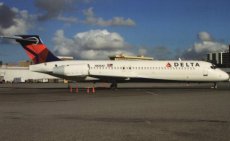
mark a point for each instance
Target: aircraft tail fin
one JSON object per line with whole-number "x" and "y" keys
{"x": 35, "y": 49}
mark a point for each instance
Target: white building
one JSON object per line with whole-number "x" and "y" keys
{"x": 221, "y": 59}
{"x": 23, "y": 74}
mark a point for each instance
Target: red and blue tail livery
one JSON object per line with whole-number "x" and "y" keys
{"x": 34, "y": 47}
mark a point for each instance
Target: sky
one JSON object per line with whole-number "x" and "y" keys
{"x": 96, "y": 29}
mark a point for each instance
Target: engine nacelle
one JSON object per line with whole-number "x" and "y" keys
{"x": 72, "y": 70}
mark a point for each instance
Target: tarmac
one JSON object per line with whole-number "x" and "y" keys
{"x": 133, "y": 112}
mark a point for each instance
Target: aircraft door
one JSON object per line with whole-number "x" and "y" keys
{"x": 88, "y": 69}
{"x": 2, "y": 74}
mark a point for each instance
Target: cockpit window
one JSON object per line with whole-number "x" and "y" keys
{"x": 213, "y": 66}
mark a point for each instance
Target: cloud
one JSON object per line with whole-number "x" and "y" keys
{"x": 204, "y": 36}
{"x": 69, "y": 20}
{"x": 162, "y": 52}
{"x": 101, "y": 54}
{"x": 6, "y": 16}
{"x": 90, "y": 18}
{"x": 198, "y": 51}
{"x": 99, "y": 44}
{"x": 206, "y": 45}
{"x": 14, "y": 21}
{"x": 54, "y": 8}
{"x": 93, "y": 44}
{"x": 100, "y": 39}
{"x": 142, "y": 51}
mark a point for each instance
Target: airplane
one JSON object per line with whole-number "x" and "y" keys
{"x": 114, "y": 72}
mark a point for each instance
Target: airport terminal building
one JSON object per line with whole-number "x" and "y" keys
{"x": 15, "y": 74}
{"x": 220, "y": 59}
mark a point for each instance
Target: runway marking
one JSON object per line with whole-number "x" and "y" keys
{"x": 150, "y": 92}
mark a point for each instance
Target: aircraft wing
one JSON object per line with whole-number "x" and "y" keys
{"x": 119, "y": 77}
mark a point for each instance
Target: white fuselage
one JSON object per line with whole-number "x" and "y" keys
{"x": 185, "y": 71}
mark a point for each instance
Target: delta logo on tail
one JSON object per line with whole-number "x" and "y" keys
{"x": 183, "y": 64}
{"x": 35, "y": 49}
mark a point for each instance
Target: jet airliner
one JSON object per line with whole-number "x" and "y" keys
{"x": 117, "y": 71}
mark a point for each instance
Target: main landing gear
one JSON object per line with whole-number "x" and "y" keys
{"x": 113, "y": 85}
{"x": 214, "y": 85}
